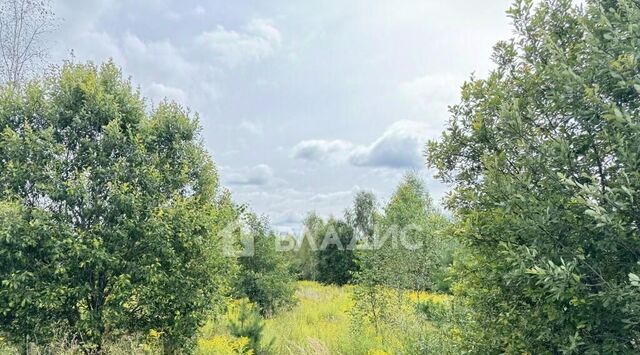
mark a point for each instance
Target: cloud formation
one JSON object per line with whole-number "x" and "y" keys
{"x": 322, "y": 150}
{"x": 431, "y": 88}
{"x": 256, "y": 41}
{"x": 251, "y": 127}
{"x": 186, "y": 70}
{"x": 288, "y": 218}
{"x": 258, "y": 175}
{"x": 399, "y": 147}
{"x": 266, "y": 75}
{"x": 160, "y": 92}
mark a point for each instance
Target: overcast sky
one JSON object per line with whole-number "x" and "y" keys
{"x": 302, "y": 103}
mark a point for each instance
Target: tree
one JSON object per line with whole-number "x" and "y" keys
{"x": 248, "y": 323}
{"x": 264, "y": 277}
{"x": 336, "y": 258}
{"x": 409, "y": 249}
{"x": 422, "y": 249}
{"x": 23, "y": 26}
{"x": 326, "y": 251}
{"x": 543, "y": 157}
{"x": 108, "y": 214}
{"x": 362, "y": 216}
{"x": 305, "y": 254}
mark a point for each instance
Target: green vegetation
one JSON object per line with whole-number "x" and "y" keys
{"x": 115, "y": 236}
{"x": 111, "y": 219}
{"x": 322, "y": 322}
{"x": 543, "y": 159}
{"x": 264, "y": 277}
{"x": 103, "y": 209}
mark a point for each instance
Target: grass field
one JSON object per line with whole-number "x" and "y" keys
{"x": 321, "y": 323}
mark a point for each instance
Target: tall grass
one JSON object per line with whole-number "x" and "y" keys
{"x": 321, "y": 324}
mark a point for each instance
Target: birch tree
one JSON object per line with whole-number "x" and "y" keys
{"x": 24, "y": 25}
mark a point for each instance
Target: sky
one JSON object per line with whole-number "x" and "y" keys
{"x": 302, "y": 103}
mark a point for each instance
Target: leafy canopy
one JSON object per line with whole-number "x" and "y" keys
{"x": 544, "y": 158}
{"x": 108, "y": 213}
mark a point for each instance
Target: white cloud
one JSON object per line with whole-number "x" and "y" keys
{"x": 258, "y": 40}
{"x": 81, "y": 16}
{"x": 96, "y": 46}
{"x": 289, "y": 217}
{"x": 199, "y": 10}
{"x": 258, "y": 175}
{"x": 265, "y": 29}
{"x": 439, "y": 87}
{"x": 322, "y": 150}
{"x": 162, "y": 68}
{"x": 313, "y": 61}
{"x": 400, "y": 146}
{"x": 161, "y": 59}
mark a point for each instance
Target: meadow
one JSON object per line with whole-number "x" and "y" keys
{"x": 322, "y": 322}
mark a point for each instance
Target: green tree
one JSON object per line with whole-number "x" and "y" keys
{"x": 108, "y": 213}
{"x": 409, "y": 249}
{"x": 363, "y": 216}
{"x": 544, "y": 159}
{"x": 305, "y": 253}
{"x": 264, "y": 277}
{"x": 420, "y": 250}
{"x": 248, "y": 323}
{"x": 326, "y": 252}
{"x": 336, "y": 258}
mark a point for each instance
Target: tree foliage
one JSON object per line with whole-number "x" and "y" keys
{"x": 325, "y": 253}
{"x": 409, "y": 249}
{"x": 305, "y": 253}
{"x": 108, "y": 213}
{"x": 336, "y": 258}
{"x": 544, "y": 158}
{"x": 264, "y": 277}
{"x": 247, "y": 322}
